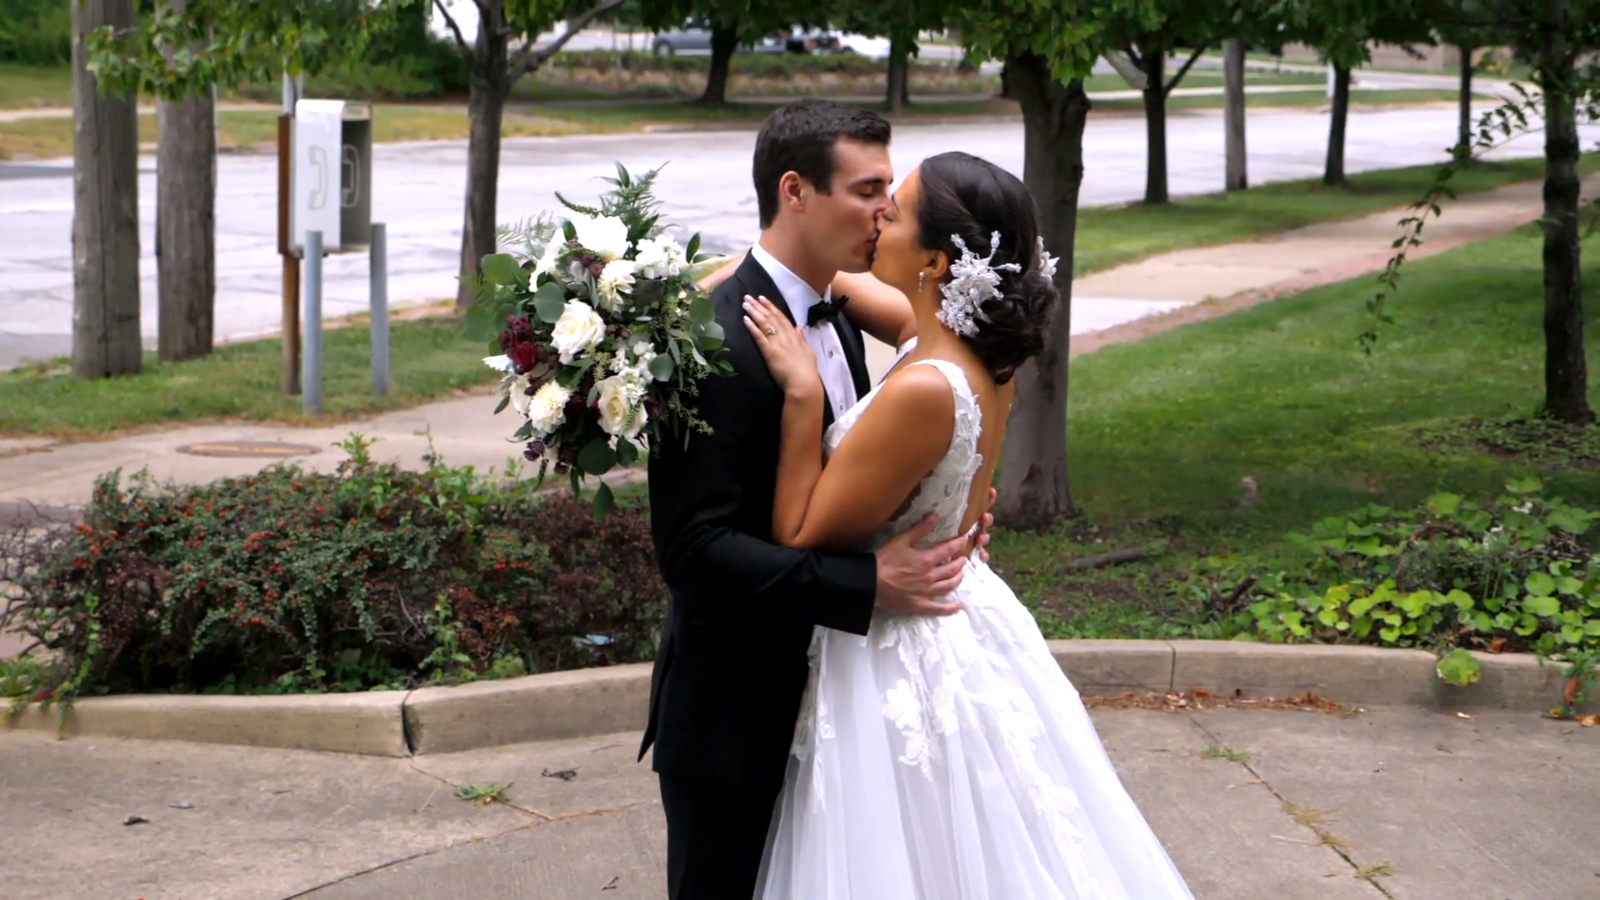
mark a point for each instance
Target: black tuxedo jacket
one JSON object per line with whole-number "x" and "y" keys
{"x": 732, "y": 664}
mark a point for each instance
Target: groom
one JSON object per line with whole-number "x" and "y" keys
{"x": 733, "y": 664}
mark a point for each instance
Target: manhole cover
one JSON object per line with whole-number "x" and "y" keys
{"x": 248, "y": 448}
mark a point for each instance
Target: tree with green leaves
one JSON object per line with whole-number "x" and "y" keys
{"x": 502, "y": 53}
{"x": 900, "y": 23}
{"x": 181, "y": 51}
{"x": 733, "y": 24}
{"x": 1179, "y": 23}
{"x": 1558, "y": 38}
{"x": 1456, "y": 25}
{"x": 1344, "y": 31}
{"x": 1049, "y": 47}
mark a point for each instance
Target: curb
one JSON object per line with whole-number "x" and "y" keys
{"x": 365, "y": 724}
{"x": 587, "y": 702}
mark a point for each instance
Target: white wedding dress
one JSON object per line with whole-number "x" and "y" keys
{"x": 950, "y": 758}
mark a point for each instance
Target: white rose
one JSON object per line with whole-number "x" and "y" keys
{"x": 620, "y": 412}
{"x": 578, "y": 330}
{"x": 604, "y": 236}
{"x": 660, "y": 257}
{"x": 547, "y": 408}
{"x": 616, "y": 279}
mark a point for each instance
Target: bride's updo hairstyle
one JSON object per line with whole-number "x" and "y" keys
{"x": 972, "y": 198}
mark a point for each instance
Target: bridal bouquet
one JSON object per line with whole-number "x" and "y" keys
{"x": 604, "y": 332}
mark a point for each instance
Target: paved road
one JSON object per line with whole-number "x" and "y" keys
{"x": 705, "y": 186}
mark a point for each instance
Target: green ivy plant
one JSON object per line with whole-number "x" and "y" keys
{"x": 1451, "y": 576}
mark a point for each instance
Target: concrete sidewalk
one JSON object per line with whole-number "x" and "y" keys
{"x": 1252, "y": 805}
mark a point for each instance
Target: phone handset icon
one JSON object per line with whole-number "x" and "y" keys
{"x": 319, "y": 162}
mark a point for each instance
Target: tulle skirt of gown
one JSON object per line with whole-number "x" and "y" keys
{"x": 951, "y": 759}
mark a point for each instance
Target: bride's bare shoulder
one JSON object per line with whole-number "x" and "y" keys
{"x": 920, "y": 393}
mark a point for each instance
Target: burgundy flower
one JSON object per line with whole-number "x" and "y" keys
{"x": 534, "y": 451}
{"x": 524, "y": 356}
{"x": 521, "y": 328}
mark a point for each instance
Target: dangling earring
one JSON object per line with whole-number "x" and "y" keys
{"x": 922, "y": 280}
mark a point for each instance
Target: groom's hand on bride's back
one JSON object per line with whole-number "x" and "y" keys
{"x": 911, "y": 582}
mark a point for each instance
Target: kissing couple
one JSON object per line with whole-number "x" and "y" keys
{"x": 848, "y": 703}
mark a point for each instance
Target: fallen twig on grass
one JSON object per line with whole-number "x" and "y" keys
{"x": 1101, "y": 560}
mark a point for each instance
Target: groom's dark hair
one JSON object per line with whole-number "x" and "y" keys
{"x": 800, "y": 138}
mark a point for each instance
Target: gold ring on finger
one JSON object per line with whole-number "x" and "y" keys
{"x": 772, "y": 332}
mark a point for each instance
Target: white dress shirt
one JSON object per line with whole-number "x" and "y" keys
{"x": 833, "y": 365}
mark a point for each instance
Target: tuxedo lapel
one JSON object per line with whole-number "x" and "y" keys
{"x": 754, "y": 281}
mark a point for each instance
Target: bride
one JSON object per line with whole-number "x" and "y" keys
{"x": 938, "y": 758}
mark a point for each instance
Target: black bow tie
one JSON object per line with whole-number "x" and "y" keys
{"x": 826, "y": 311}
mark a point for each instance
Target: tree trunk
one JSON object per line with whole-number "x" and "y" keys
{"x": 186, "y": 194}
{"x": 1034, "y": 490}
{"x": 1566, "y": 374}
{"x": 486, "y": 102}
{"x": 105, "y": 215}
{"x": 724, "y": 41}
{"x": 1237, "y": 176}
{"x": 1464, "y": 125}
{"x": 898, "y": 91}
{"x": 1333, "y": 171}
{"x": 1155, "y": 124}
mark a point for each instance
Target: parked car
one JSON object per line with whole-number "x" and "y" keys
{"x": 860, "y": 44}
{"x": 694, "y": 39}
{"x": 811, "y": 40}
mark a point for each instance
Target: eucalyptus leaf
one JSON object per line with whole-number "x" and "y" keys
{"x": 549, "y": 302}
{"x": 605, "y": 502}
{"x": 702, "y": 310}
{"x": 503, "y": 269}
{"x": 597, "y": 457}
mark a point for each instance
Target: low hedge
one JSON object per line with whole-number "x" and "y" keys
{"x": 371, "y": 577}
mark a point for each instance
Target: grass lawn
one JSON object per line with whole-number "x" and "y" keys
{"x": 1163, "y": 430}
{"x": 1109, "y": 236}
{"x": 433, "y": 358}
{"x": 45, "y": 138}
{"x": 24, "y": 87}
{"x": 430, "y": 359}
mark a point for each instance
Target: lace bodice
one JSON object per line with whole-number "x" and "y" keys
{"x": 947, "y": 488}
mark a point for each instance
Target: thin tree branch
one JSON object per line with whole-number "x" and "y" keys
{"x": 527, "y": 58}
{"x": 1133, "y": 55}
{"x": 454, "y": 28}
{"x": 1166, "y": 89}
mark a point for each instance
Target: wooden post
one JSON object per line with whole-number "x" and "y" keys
{"x": 291, "y": 265}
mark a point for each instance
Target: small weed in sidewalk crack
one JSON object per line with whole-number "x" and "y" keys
{"x": 1375, "y": 871}
{"x": 1217, "y": 751}
{"x": 485, "y": 795}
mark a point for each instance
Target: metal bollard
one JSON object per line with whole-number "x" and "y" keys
{"x": 311, "y": 322}
{"x": 379, "y": 277}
